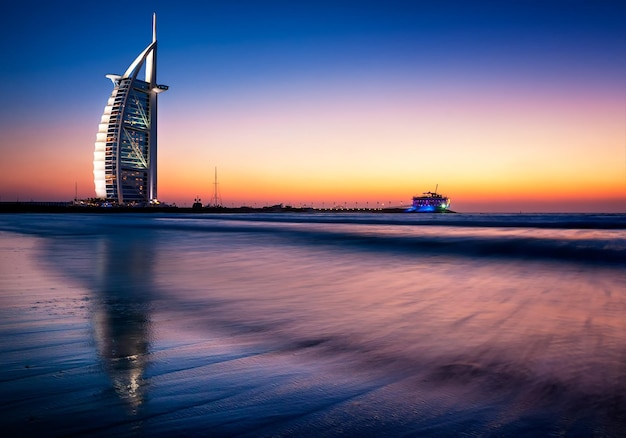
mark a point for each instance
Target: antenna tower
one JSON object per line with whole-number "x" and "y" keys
{"x": 217, "y": 199}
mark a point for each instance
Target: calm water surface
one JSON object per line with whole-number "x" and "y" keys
{"x": 314, "y": 325}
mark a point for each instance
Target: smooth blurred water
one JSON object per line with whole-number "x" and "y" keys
{"x": 340, "y": 324}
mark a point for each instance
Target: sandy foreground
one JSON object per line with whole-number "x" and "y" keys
{"x": 72, "y": 367}
{"x": 90, "y": 348}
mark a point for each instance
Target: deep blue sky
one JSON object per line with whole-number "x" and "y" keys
{"x": 225, "y": 41}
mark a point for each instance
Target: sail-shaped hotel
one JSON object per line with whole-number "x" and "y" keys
{"x": 125, "y": 156}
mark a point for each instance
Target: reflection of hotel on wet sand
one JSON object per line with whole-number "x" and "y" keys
{"x": 121, "y": 331}
{"x": 120, "y": 312}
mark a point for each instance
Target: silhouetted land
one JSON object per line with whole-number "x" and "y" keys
{"x": 69, "y": 207}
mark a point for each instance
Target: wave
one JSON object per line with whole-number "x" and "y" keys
{"x": 585, "y": 250}
{"x": 610, "y": 221}
{"x": 361, "y": 232}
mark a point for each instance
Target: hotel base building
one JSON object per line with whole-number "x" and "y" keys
{"x": 125, "y": 156}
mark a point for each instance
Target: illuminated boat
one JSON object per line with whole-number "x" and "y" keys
{"x": 430, "y": 202}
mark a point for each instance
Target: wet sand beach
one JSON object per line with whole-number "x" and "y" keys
{"x": 170, "y": 326}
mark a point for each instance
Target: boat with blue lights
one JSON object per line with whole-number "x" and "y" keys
{"x": 430, "y": 202}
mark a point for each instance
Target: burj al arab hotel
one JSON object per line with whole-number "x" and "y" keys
{"x": 125, "y": 156}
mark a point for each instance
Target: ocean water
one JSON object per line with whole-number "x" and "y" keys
{"x": 313, "y": 325}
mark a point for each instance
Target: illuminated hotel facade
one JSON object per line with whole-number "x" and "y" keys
{"x": 125, "y": 155}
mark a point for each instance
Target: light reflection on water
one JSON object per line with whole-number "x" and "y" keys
{"x": 122, "y": 287}
{"x": 437, "y": 304}
{"x": 548, "y": 334}
{"x": 521, "y": 332}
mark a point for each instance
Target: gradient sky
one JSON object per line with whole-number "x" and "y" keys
{"x": 506, "y": 105}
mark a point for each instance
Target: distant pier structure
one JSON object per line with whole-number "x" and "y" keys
{"x": 125, "y": 155}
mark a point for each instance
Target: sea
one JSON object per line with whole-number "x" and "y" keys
{"x": 313, "y": 325}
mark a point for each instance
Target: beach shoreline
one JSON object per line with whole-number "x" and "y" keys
{"x": 278, "y": 326}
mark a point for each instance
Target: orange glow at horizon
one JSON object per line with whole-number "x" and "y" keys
{"x": 376, "y": 150}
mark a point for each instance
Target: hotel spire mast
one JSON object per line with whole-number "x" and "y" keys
{"x": 151, "y": 72}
